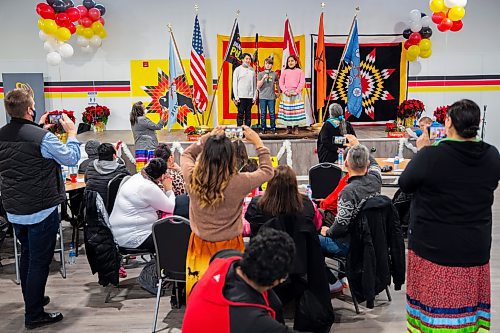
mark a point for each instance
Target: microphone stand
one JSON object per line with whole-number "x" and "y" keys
{"x": 484, "y": 122}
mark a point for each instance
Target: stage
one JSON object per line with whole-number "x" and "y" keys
{"x": 301, "y": 147}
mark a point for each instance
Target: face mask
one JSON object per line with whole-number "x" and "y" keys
{"x": 245, "y": 65}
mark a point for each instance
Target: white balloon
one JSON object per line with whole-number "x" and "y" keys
{"x": 450, "y": 3}
{"x": 426, "y": 21}
{"x": 53, "y": 58}
{"x": 87, "y": 49}
{"x": 415, "y": 15}
{"x": 416, "y": 26}
{"x": 66, "y": 50}
{"x": 82, "y": 41}
{"x": 48, "y": 47}
{"x": 43, "y": 36}
{"x": 95, "y": 41}
{"x": 461, "y": 3}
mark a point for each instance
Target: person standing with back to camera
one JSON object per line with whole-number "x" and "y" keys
{"x": 244, "y": 90}
{"x": 291, "y": 111}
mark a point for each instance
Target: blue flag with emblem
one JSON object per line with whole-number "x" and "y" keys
{"x": 355, "y": 93}
{"x": 174, "y": 72}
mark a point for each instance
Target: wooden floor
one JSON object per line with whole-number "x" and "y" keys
{"x": 81, "y": 300}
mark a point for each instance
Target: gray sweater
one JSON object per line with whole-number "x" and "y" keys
{"x": 244, "y": 83}
{"x": 144, "y": 133}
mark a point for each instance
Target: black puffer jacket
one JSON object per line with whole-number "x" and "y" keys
{"x": 102, "y": 251}
{"x": 98, "y": 175}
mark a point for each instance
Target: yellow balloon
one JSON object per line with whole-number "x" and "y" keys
{"x": 63, "y": 34}
{"x": 437, "y": 6}
{"x": 50, "y": 27}
{"x": 88, "y": 33}
{"x": 456, "y": 13}
{"x": 103, "y": 33}
{"x": 426, "y": 54}
{"x": 414, "y": 51}
{"x": 97, "y": 27}
{"x": 425, "y": 45}
{"x": 41, "y": 23}
{"x": 411, "y": 58}
{"x": 79, "y": 30}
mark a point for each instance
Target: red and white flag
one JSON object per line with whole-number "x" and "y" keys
{"x": 197, "y": 69}
{"x": 289, "y": 47}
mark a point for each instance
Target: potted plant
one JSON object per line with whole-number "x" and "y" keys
{"x": 440, "y": 113}
{"x": 193, "y": 134}
{"x": 409, "y": 110}
{"x": 56, "y": 127}
{"x": 96, "y": 116}
{"x": 395, "y": 130}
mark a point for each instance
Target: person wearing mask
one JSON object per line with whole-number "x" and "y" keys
{"x": 449, "y": 237}
{"x": 235, "y": 294}
{"x": 216, "y": 190}
{"x": 32, "y": 189}
{"x": 292, "y": 113}
{"x": 92, "y": 154}
{"x": 332, "y": 134}
{"x": 139, "y": 204}
{"x": 244, "y": 90}
{"x": 267, "y": 84}
{"x": 102, "y": 170}
{"x": 173, "y": 169}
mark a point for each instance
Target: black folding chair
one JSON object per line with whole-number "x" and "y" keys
{"x": 323, "y": 179}
{"x": 113, "y": 187}
{"x": 171, "y": 238}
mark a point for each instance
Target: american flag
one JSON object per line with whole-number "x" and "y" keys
{"x": 197, "y": 69}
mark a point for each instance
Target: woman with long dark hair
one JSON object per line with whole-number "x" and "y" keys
{"x": 216, "y": 190}
{"x": 243, "y": 163}
{"x": 292, "y": 113}
{"x": 449, "y": 236}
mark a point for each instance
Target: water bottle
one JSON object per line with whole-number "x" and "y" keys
{"x": 309, "y": 192}
{"x": 63, "y": 173}
{"x": 341, "y": 157}
{"x": 396, "y": 162}
{"x": 71, "y": 254}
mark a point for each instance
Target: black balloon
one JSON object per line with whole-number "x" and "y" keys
{"x": 426, "y": 32}
{"x": 69, "y": 3}
{"x": 89, "y": 4}
{"x": 51, "y": 2}
{"x": 407, "y": 33}
{"x": 101, "y": 9}
{"x": 59, "y": 6}
{"x": 423, "y": 14}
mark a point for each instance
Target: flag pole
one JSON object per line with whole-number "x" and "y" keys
{"x": 170, "y": 30}
{"x": 320, "y": 113}
{"x": 220, "y": 71}
{"x": 342, "y": 58}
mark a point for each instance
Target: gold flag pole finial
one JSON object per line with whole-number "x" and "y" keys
{"x": 323, "y": 5}
{"x": 237, "y": 12}
{"x": 169, "y": 26}
{"x": 196, "y": 8}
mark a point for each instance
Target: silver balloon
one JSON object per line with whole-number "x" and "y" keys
{"x": 48, "y": 47}
{"x": 426, "y": 21}
{"x": 95, "y": 41}
{"x": 415, "y": 15}
{"x": 53, "y": 58}
{"x": 82, "y": 41}
{"x": 415, "y": 26}
{"x": 66, "y": 50}
{"x": 43, "y": 36}
{"x": 87, "y": 49}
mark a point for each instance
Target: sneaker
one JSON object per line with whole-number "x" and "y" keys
{"x": 273, "y": 130}
{"x": 296, "y": 130}
{"x": 344, "y": 282}
{"x": 263, "y": 131}
{"x": 43, "y": 320}
{"x": 122, "y": 272}
{"x": 336, "y": 287}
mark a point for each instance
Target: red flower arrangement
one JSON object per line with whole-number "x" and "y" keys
{"x": 394, "y": 127}
{"x": 440, "y": 113}
{"x": 57, "y": 128}
{"x": 191, "y": 130}
{"x": 410, "y": 108}
{"x": 95, "y": 114}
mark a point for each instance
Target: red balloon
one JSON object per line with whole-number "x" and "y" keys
{"x": 438, "y": 17}
{"x": 457, "y": 26}
{"x": 85, "y": 21}
{"x": 407, "y": 44}
{"x": 71, "y": 27}
{"x": 47, "y": 13}
{"x": 94, "y": 14}
{"x": 73, "y": 14}
{"x": 40, "y": 7}
{"x": 83, "y": 10}
{"x": 445, "y": 25}
{"x": 62, "y": 19}
{"x": 101, "y": 19}
{"x": 415, "y": 38}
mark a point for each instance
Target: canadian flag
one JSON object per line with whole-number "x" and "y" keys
{"x": 289, "y": 47}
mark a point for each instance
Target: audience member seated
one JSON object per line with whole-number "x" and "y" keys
{"x": 173, "y": 169}
{"x": 138, "y": 204}
{"x": 365, "y": 181}
{"x": 92, "y": 154}
{"x": 101, "y": 171}
{"x": 235, "y": 294}
{"x": 216, "y": 192}
{"x": 243, "y": 163}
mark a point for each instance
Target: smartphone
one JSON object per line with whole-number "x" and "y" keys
{"x": 437, "y": 132}
{"x": 339, "y": 140}
{"x": 234, "y": 133}
{"x": 54, "y": 118}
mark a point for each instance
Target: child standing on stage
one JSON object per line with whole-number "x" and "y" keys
{"x": 244, "y": 90}
{"x": 267, "y": 82}
{"x": 292, "y": 82}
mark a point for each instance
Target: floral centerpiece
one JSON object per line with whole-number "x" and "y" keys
{"x": 395, "y": 130}
{"x": 409, "y": 110}
{"x": 440, "y": 113}
{"x": 193, "y": 133}
{"x": 97, "y": 116}
{"x": 56, "y": 127}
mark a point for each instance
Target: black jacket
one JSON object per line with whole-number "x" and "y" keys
{"x": 101, "y": 249}
{"x": 453, "y": 185}
{"x": 99, "y": 173}
{"x": 31, "y": 183}
{"x": 327, "y": 149}
{"x": 377, "y": 249}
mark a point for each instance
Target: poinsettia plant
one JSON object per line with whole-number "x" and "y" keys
{"x": 191, "y": 130}
{"x": 96, "y": 114}
{"x": 440, "y": 113}
{"x": 410, "y": 108}
{"x": 394, "y": 127}
{"x": 54, "y": 115}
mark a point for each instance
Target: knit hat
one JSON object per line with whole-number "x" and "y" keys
{"x": 91, "y": 148}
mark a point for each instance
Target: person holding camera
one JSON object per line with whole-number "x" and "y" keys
{"x": 332, "y": 135}
{"x": 244, "y": 90}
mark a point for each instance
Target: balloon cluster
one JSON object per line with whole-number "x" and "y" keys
{"x": 57, "y": 24}
{"x": 418, "y": 43}
{"x": 448, "y": 14}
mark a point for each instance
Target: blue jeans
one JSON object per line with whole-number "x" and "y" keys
{"x": 264, "y": 105}
{"x": 38, "y": 242}
{"x": 334, "y": 246}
